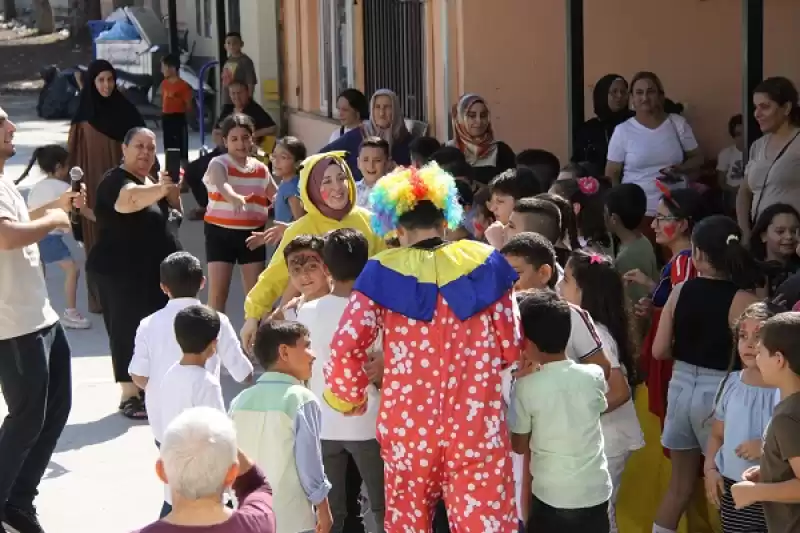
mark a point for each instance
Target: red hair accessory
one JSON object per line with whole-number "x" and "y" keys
{"x": 588, "y": 185}
{"x": 418, "y": 187}
{"x": 596, "y": 259}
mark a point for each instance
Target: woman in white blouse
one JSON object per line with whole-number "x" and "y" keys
{"x": 353, "y": 109}
{"x": 650, "y": 144}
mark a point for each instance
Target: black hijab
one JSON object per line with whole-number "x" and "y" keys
{"x": 112, "y": 116}
{"x": 600, "y": 100}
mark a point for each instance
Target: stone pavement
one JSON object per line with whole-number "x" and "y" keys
{"x": 101, "y": 478}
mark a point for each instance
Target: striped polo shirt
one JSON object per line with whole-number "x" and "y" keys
{"x": 251, "y": 181}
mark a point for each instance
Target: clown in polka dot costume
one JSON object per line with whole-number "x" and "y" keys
{"x": 449, "y": 327}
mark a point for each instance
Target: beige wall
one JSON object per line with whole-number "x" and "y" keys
{"x": 693, "y": 45}
{"x": 513, "y": 52}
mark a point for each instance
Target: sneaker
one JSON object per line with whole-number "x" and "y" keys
{"x": 74, "y": 320}
{"x": 20, "y": 521}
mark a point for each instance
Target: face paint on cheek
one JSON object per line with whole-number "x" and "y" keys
{"x": 669, "y": 230}
{"x": 325, "y": 195}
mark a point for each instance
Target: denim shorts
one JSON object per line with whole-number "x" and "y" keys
{"x": 53, "y": 249}
{"x": 690, "y": 403}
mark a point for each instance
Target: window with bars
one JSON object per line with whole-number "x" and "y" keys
{"x": 394, "y": 52}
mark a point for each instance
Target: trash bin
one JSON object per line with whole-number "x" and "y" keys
{"x": 96, "y": 27}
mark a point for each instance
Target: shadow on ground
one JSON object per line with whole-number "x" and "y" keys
{"x": 23, "y": 56}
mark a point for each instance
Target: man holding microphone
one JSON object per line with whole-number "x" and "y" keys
{"x": 35, "y": 368}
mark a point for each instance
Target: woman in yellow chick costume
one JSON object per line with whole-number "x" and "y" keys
{"x": 328, "y": 192}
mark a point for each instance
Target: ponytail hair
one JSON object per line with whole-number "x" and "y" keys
{"x": 48, "y": 157}
{"x": 603, "y": 297}
{"x": 719, "y": 239}
{"x": 569, "y": 222}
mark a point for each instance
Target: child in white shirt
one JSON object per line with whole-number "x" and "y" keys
{"x": 156, "y": 348}
{"x": 730, "y": 167}
{"x": 188, "y": 383}
{"x": 345, "y": 253}
{"x": 58, "y": 247}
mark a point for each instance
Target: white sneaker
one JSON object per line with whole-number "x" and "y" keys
{"x": 74, "y": 320}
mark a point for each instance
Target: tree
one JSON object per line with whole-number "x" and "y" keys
{"x": 45, "y": 21}
{"x": 9, "y": 10}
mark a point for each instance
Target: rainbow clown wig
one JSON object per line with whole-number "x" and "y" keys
{"x": 400, "y": 191}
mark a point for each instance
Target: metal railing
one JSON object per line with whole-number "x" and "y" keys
{"x": 394, "y": 52}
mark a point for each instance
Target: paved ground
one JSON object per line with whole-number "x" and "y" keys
{"x": 101, "y": 478}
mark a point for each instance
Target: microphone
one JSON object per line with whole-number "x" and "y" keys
{"x": 76, "y": 178}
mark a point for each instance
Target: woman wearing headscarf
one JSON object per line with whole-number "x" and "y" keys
{"x": 385, "y": 121}
{"x": 610, "y": 100}
{"x": 474, "y": 137}
{"x": 96, "y": 136}
{"x": 328, "y": 192}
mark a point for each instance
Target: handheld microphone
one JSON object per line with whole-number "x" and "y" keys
{"x": 76, "y": 178}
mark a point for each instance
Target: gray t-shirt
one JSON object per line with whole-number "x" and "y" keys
{"x": 24, "y": 305}
{"x": 238, "y": 69}
{"x": 782, "y": 183}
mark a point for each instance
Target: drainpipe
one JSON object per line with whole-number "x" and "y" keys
{"x": 283, "y": 120}
{"x": 444, "y": 29}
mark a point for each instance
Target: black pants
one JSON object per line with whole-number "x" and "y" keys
{"x": 547, "y": 519}
{"x": 337, "y": 456}
{"x": 354, "y": 523}
{"x": 175, "y": 133}
{"x": 126, "y": 300}
{"x": 36, "y": 378}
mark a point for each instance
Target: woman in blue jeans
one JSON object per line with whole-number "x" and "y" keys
{"x": 695, "y": 330}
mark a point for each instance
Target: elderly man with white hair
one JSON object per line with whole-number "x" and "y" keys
{"x": 200, "y": 460}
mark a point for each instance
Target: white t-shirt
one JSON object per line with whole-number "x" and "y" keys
{"x": 584, "y": 339}
{"x": 24, "y": 304}
{"x": 621, "y": 430}
{"x": 321, "y": 317}
{"x": 46, "y": 191}
{"x": 182, "y": 388}
{"x": 729, "y": 161}
{"x": 517, "y": 460}
{"x": 156, "y": 350}
{"x": 335, "y": 134}
{"x": 643, "y": 152}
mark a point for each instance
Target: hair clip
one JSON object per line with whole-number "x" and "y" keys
{"x": 596, "y": 259}
{"x": 731, "y": 238}
{"x": 588, "y": 185}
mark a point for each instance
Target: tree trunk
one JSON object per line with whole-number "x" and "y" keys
{"x": 45, "y": 22}
{"x": 9, "y": 10}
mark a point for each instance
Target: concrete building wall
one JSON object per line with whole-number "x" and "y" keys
{"x": 513, "y": 52}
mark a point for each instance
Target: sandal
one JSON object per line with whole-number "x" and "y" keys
{"x": 134, "y": 409}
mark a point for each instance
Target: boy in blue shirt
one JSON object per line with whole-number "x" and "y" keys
{"x": 556, "y": 412}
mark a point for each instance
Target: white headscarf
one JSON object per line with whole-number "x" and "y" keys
{"x": 397, "y": 130}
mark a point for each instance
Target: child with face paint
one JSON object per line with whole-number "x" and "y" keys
{"x": 328, "y": 193}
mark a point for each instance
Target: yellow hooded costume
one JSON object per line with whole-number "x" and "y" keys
{"x": 273, "y": 281}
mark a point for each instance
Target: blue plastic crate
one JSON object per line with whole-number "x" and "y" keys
{"x": 96, "y": 27}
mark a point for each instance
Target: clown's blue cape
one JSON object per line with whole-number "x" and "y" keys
{"x": 469, "y": 275}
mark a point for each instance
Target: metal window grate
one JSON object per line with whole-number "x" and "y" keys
{"x": 394, "y": 52}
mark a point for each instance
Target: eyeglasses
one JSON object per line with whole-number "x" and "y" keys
{"x": 665, "y": 218}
